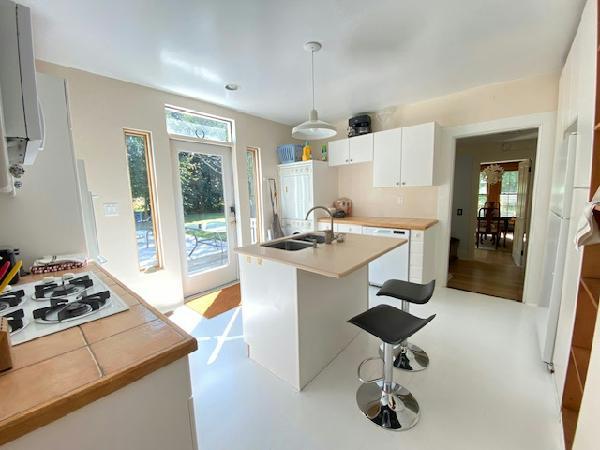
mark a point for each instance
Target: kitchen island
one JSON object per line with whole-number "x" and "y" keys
{"x": 120, "y": 382}
{"x": 296, "y": 303}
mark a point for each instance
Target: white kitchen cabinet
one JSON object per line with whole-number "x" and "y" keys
{"x": 418, "y": 151}
{"x": 347, "y": 228}
{"x": 339, "y": 152}
{"x": 354, "y": 150}
{"x": 304, "y": 185}
{"x": 361, "y": 148}
{"x": 387, "y": 152}
{"x": 422, "y": 255}
{"x": 406, "y": 156}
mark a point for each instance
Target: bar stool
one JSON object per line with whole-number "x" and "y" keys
{"x": 408, "y": 356}
{"x": 385, "y": 403}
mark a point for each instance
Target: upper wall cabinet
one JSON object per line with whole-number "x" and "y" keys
{"x": 351, "y": 151}
{"x": 405, "y": 156}
{"x": 387, "y": 157}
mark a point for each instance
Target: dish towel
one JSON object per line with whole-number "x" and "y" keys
{"x": 588, "y": 232}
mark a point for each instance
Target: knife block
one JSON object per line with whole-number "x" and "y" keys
{"x": 5, "y": 356}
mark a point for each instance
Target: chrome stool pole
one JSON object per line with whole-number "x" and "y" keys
{"x": 385, "y": 403}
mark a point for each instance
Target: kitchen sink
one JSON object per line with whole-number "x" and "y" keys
{"x": 289, "y": 245}
{"x": 311, "y": 237}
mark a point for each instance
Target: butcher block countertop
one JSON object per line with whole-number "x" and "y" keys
{"x": 335, "y": 260}
{"x": 386, "y": 222}
{"x": 60, "y": 373}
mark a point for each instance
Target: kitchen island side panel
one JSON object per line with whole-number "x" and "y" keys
{"x": 324, "y": 307}
{"x": 270, "y": 316}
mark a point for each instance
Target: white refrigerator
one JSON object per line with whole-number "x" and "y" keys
{"x": 557, "y": 242}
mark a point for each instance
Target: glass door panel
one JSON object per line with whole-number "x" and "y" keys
{"x": 206, "y": 221}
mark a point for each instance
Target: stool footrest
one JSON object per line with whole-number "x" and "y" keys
{"x": 360, "y": 367}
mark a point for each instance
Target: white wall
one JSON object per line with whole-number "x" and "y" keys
{"x": 100, "y": 108}
{"x": 45, "y": 216}
{"x": 466, "y": 183}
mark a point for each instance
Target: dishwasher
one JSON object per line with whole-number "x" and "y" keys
{"x": 394, "y": 264}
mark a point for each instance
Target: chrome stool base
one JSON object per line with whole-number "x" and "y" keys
{"x": 395, "y": 410}
{"x": 412, "y": 359}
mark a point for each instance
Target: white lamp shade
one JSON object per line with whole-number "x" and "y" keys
{"x": 313, "y": 129}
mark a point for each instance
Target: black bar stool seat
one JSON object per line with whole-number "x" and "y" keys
{"x": 407, "y": 291}
{"x": 385, "y": 403}
{"x": 390, "y": 324}
{"x": 408, "y": 356}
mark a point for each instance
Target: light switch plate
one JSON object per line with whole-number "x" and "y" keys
{"x": 111, "y": 209}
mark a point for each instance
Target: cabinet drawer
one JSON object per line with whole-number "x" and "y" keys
{"x": 348, "y": 228}
{"x": 415, "y": 274}
{"x": 416, "y": 260}
{"x": 417, "y": 235}
{"x": 416, "y": 248}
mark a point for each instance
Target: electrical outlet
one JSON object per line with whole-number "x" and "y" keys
{"x": 459, "y": 212}
{"x": 400, "y": 200}
{"x": 111, "y": 209}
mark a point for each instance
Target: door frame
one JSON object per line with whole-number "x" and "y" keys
{"x": 232, "y": 232}
{"x": 540, "y": 198}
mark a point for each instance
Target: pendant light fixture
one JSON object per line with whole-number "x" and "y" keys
{"x": 313, "y": 129}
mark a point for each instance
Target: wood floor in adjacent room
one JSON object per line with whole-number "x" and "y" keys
{"x": 491, "y": 272}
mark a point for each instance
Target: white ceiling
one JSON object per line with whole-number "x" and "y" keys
{"x": 375, "y": 53}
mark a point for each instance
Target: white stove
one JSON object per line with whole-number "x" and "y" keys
{"x": 57, "y": 303}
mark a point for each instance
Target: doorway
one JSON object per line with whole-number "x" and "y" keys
{"x": 206, "y": 215}
{"x": 491, "y": 211}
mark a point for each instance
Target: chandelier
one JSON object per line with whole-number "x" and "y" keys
{"x": 493, "y": 173}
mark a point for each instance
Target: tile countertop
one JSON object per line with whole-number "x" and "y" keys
{"x": 386, "y": 222}
{"x": 60, "y": 373}
{"x": 335, "y": 260}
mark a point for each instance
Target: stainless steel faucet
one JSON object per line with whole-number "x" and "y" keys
{"x": 329, "y": 236}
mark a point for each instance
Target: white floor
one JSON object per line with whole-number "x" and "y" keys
{"x": 486, "y": 388}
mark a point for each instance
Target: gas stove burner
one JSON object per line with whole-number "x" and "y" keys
{"x": 16, "y": 321}
{"x": 10, "y": 300}
{"x": 61, "y": 310}
{"x": 67, "y": 288}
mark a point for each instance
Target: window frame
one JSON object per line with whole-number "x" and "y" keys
{"x": 258, "y": 188}
{"x": 150, "y": 172}
{"x": 510, "y": 194}
{"x": 183, "y": 137}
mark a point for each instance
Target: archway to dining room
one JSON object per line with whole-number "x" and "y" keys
{"x": 491, "y": 210}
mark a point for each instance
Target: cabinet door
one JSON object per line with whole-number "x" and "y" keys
{"x": 288, "y": 203}
{"x": 339, "y": 152}
{"x": 361, "y": 148}
{"x": 417, "y": 155}
{"x": 387, "y": 153}
{"x": 348, "y": 228}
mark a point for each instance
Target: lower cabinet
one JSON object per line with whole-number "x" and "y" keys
{"x": 422, "y": 256}
{"x": 422, "y": 246}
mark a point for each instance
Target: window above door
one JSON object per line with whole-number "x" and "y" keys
{"x": 188, "y": 124}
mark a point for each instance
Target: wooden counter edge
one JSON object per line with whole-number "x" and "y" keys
{"x": 246, "y": 251}
{"x": 46, "y": 413}
{"x": 366, "y": 222}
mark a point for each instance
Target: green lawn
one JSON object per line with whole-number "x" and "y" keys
{"x": 192, "y": 219}
{"x": 196, "y": 220}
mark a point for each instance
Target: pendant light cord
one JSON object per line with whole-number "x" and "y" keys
{"x": 312, "y": 65}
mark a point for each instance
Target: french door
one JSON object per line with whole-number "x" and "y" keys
{"x": 206, "y": 215}
{"x": 522, "y": 219}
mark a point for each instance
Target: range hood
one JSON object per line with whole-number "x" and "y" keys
{"x": 22, "y": 137}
